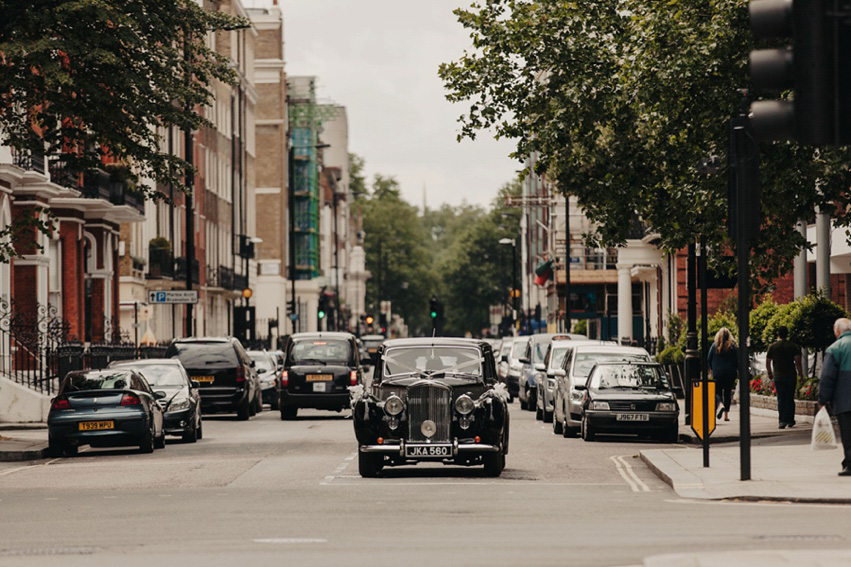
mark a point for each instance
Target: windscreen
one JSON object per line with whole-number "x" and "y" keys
{"x": 557, "y": 357}
{"x": 519, "y": 348}
{"x": 585, "y": 361}
{"x": 204, "y": 355}
{"x": 629, "y": 376}
{"x": 162, "y": 375}
{"x": 262, "y": 362}
{"x": 432, "y": 361}
{"x": 114, "y": 380}
{"x": 320, "y": 351}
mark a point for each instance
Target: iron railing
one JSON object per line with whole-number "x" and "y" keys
{"x": 28, "y": 160}
{"x": 160, "y": 263}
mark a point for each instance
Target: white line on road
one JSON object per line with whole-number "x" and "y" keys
{"x": 351, "y": 457}
{"x": 625, "y": 470}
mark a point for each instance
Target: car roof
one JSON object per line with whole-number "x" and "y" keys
{"x": 204, "y": 340}
{"x": 435, "y": 341}
{"x": 577, "y": 342}
{"x": 624, "y": 362}
{"x": 372, "y": 337}
{"x": 145, "y": 362}
{"x": 322, "y": 335}
{"x": 597, "y": 347}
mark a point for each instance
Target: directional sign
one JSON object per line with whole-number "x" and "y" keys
{"x": 697, "y": 408}
{"x": 173, "y": 296}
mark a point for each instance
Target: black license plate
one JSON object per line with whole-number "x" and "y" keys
{"x": 428, "y": 451}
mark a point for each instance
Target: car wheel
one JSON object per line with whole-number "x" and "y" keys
{"x": 539, "y": 414}
{"x": 54, "y": 448}
{"x": 159, "y": 442}
{"x": 243, "y": 412}
{"x": 548, "y": 416}
{"x": 494, "y": 463}
{"x": 191, "y": 436}
{"x": 252, "y": 408}
{"x": 200, "y": 429}
{"x": 146, "y": 445}
{"x": 588, "y": 432}
{"x": 368, "y": 464}
{"x": 289, "y": 412}
{"x": 258, "y": 405}
{"x": 70, "y": 450}
{"x": 532, "y": 397}
{"x": 558, "y": 426}
{"x": 275, "y": 404}
{"x": 523, "y": 404}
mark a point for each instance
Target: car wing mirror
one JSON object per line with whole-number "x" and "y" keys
{"x": 503, "y": 358}
{"x": 540, "y": 367}
{"x": 558, "y": 372}
{"x": 159, "y": 394}
{"x": 580, "y": 387}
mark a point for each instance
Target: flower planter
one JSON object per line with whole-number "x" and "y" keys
{"x": 802, "y": 407}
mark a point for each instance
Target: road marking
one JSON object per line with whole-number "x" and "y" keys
{"x": 351, "y": 457}
{"x": 626, "y": 472}
{"x": 291, "y": 540}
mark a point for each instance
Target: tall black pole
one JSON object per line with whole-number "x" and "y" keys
{"x": 704, "y": 341}
{"x": 691, "y": 359}
{"x": 514, "y": 293}
{"x": 567, "y": 263}
{"x": 291, "y": 204}
{"x": 336, "y": 269}
{"x": 190, "y": 209}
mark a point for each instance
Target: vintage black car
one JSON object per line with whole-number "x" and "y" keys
{"x": 432, "y": 399}
{"x": 629, "y": 397}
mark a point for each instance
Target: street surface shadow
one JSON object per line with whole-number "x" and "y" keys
{"x": 448, "y": 472}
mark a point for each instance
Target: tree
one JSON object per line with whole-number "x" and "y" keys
{"x": 620, "y": 100}
{"x": 100, "y": 79}
{"x": 760, "y": 316}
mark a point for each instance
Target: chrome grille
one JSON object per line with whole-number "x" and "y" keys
{"x": 429, "y": 401}
{"x": 633, "y": 406}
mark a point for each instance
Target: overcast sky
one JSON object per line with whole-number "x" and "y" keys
{"x": 379, "y": 59}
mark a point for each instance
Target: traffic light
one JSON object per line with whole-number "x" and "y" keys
{"x": 369, "y": 319}
{"x": 815, "y": 66}
{"x": 432, "y": 307}
{"x": 320, "y": 313}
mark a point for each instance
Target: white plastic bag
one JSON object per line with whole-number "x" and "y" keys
{"x": 823, "y": 435}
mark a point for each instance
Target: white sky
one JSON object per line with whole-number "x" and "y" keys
{"x": 379, "y": 59}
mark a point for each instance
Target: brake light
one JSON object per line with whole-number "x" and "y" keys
{"x": 285, "y": 379}
{"x": 61, "y": 404}
{"x": 353, "y": 378}
{"x": 240, "y": 374}
{"x": 130, "y": 400}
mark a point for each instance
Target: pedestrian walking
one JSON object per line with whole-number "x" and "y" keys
{"x": 783, "y": 363}
{"x": 835, "y": 386}
{"x": 724, "y": 364}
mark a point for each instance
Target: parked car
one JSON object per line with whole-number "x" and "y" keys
{"x": 228, "y": 382}
{"x": 502, "y": 357}
{"x": 269, "y": 377}
{"x": 533, "y": 371}
{"x": 545, "y": 381}
{"x": 182, "y": 404}
{"x": 515, "y": 365}
{"x": 577, "y": 365}
{"x": 629, "y": 397}
{"x": 372, "y": 342}
{"x": 319, "y": 369}
{"x": 432, "y": 399}
{"x": 105, "y": 408}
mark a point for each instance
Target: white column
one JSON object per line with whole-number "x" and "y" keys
{"x": 800, "y": 270}
{"x": 624, "y": 301}
{"x": 823, "y": 252}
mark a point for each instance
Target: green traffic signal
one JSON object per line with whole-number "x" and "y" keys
{"x": 434, "y": 314}
{"x": 321, "y": 314}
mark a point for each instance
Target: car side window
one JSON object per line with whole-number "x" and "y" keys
{"x": 547, "y": 356}
{"x": 568, "y": 360}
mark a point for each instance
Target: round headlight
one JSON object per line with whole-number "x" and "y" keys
{"x": 394, "y": 405}
{"x": 464, "y": 404}
{"x": 429, "y": 428}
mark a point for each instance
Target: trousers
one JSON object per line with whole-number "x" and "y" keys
{"x": 785, "y": 399}
{"x": 844, "y": 420}
{"x": 724, "y": 389}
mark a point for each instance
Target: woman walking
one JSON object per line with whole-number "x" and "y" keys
{"x": 724, "y": 364}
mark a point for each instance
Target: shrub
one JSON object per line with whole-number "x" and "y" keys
{"x": 671, "y": 355}
{"x": 581, "y": 327}
{"x": 760, "y": 316}
{"x": 722, "y": 319}
{"x": 676, "y": 326}
{"x": 782, "y": 317}
{"x": 811, "y": 324}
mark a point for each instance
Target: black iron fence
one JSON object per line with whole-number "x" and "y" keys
{"x": 37, "y": 352}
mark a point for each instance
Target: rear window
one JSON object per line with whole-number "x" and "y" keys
{"x": 262, "y": 361}
{"x": 113, "y": 380}
{"x": 204, "y": 355}
{"x": 162, "y": 375}
{"x": 519, "y": 348}
{"x": 320, "y": 351}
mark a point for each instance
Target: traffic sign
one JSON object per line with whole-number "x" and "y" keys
{"x": 173, "y": 296}
{"x": 697, "y": 408}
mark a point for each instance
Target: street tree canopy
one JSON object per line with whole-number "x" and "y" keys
{"x": 619, "y": 102}
{"x": 95, "y": 79}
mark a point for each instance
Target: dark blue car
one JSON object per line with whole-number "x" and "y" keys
{"x": 105, "y": 408}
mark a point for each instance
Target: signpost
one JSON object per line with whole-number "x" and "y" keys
{"x": 182, "y": 296}
{"x": 701, "y": 419}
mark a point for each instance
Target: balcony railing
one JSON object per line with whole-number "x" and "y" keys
{"x": 161, "y": 263}
{"x": 28, "y": 160}
{"x": 181, "y": 270}
{"x": 96, "y": 184}
{"x": 225, "y": 277}
{"x": 240, "y": 281}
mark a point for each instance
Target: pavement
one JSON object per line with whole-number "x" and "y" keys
{"x": 23, "y": 441}
{"x": 783, "y": 465}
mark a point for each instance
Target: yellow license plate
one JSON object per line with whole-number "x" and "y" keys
{"x": 203, "y": 378}
{"x": 96, "y": 425}
{"x": 319, "y": 377}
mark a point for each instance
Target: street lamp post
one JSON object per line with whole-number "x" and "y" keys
{"x": 511, "y": 241}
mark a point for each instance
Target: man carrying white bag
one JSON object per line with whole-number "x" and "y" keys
{"x": 835, "y": 387}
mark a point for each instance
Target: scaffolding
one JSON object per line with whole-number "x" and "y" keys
{"x": 306, "y": 118}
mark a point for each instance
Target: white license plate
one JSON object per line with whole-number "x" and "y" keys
{"x": 428, "y": 451}
{"x": 633, "y": 417}
{"x": 320, "y": 386}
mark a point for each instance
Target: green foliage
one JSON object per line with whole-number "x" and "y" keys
{"x": 722, "y": 319}
{"x": 104, "y": 78}
{"x": 675, "y": 326}
{"x": 671, "y": 355}
{"x": 760, "y": 316}
{"x": 811, "y": 324}
{"x": 782, "y": 317}
{"x": 580, "y": 327}
{"x": 357, "y": 181}
{"x": 621, "y": 100}
{"x": 160, "y": 243}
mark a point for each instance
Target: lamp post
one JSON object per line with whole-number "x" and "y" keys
{"x": 511, "y": 241}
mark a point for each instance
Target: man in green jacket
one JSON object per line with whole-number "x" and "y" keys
{"x": 835, "y": 386}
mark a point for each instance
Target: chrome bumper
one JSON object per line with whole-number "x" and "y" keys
{"x": 391, "y": 449}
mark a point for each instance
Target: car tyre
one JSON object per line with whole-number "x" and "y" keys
{"x": 494, "y": 463}
{"x": 200, "y": 429}
{"x": 368, "y": 464}
{"x": 289, "y": 413}
{"x": 159, "y": 442}
{"x": 146, "y": 444}
{"x": 588, "y": 433}
{"x": 523, "y": 405}
{"x": 70, "y": 450}
{"x": 243, "y": 412}
{"x": 191, "y": 436}
{"x": 275, "y": 404}
{"x": 558, "y": 425}
{"x": 531, "y": 399}
{"x": 539, "y": 414}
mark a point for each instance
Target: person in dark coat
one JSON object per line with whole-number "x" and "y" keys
{"x": 835, "y": 386}
{"x": 724, "y": 364}
{"x": 783, "y": 363}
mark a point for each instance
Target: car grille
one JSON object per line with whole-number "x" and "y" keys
{"x": 632, "y": 406}
{"x": 429, "y": 401}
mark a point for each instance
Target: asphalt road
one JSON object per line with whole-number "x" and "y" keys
{"x": 269, "y": 492}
